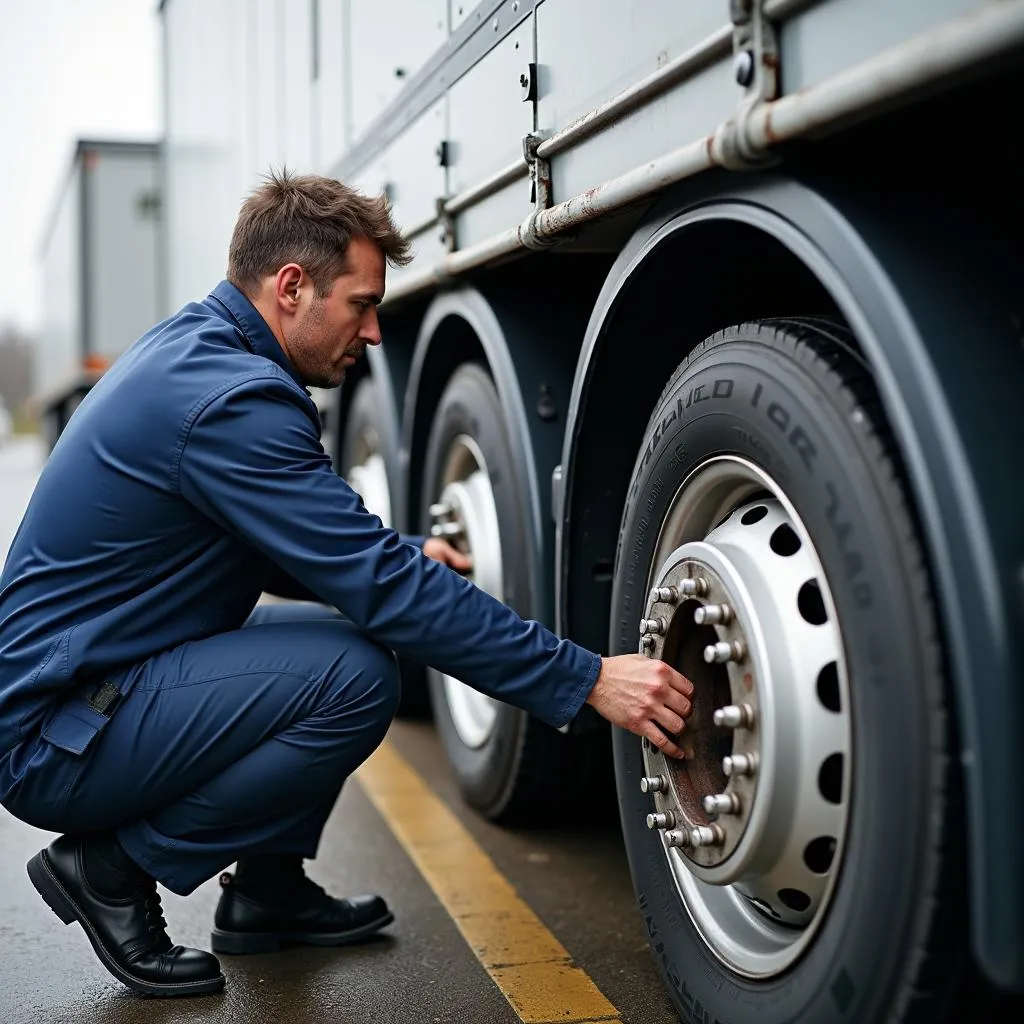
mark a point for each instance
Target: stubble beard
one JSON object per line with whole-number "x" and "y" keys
{"x": 308, "y": 350}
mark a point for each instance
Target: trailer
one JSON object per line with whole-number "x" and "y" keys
{"x": 711, "y": 350}
{"x": 101, "y": 276}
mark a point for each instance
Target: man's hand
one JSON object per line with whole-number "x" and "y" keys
{"x": 641, "y": 695}
{"x": 441, "y": 551}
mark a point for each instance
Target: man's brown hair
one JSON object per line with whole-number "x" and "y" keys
{"x": 309, "y": 220}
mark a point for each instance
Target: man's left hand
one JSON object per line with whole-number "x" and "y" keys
{"x": 441, "y": 551}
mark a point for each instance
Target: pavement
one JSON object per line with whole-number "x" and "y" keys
{"x": 568, "y": 887}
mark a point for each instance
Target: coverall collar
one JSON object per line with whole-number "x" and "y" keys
{"x": 257, "y": 333}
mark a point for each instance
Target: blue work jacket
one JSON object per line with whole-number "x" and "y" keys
{"x": 192, "y": 474}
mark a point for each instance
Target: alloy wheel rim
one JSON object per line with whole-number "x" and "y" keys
{"x": 466, "y": 515}
{"x": 753, "y": 823}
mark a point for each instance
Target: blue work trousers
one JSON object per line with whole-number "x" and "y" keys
{"x": 233, "y": 745}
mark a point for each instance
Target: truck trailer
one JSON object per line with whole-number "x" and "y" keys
{"x": 711, "y": 350}
{"x": 100, "y": 271}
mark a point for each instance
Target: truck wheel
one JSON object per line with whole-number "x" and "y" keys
{"x": 807, "y": 862}
{"x": 368, "y": 440}
{"x": 368, "y": 444}
{"x": 500, "y": 754}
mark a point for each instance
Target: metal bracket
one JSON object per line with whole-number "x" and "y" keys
{"x": 540, "y": 192}
{"x": 446, "y": 222}
{"x": 756, "y": 63}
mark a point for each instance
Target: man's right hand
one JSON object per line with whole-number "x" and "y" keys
{"x": 644, "y": 696}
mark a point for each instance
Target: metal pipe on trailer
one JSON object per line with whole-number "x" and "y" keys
{"x": 947, "y": 49}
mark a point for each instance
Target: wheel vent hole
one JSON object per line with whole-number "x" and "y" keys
{"x": 784, "y": 540}
{"x": 795, "y": 899}
{"x": 753, "y": 515}
{"x": 765, "y": 908}
{"x": 830, "y": 778}
{"x": 828, "y": 687}
{"x": 810, "y": 603}
{"x": 818, "y": 854}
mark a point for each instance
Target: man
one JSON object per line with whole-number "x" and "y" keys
{"x": 147, "y": 712}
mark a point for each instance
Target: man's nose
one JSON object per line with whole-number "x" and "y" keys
{"x": 370, "y": 332}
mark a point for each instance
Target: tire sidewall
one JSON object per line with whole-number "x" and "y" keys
{"x": 470, "y": 406}
{"x": 740, "y": 396}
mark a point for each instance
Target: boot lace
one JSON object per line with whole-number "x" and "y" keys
{"x": 155, "y": 920}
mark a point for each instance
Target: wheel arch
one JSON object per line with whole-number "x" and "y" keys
{"x": 530, "y": 351}
{"x": 884, "y": 265}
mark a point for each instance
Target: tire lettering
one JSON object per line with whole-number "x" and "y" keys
{"x": 804, "y": 447}
{"x": 676, "y": 981}
{"x": 678, "y": 456}
{"x": 797, "y": 437}
{"x": 721, "y": 388}
{"x": 757, "y": 396}
{"x": 778, "y": 416}
{"x": 852, "y": 559}
{"x": 652, "y": 499}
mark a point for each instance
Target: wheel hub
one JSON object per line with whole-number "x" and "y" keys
{"x": 752, "y": 822}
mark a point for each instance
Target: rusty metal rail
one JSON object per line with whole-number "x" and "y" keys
{"x": 947, "y": 49}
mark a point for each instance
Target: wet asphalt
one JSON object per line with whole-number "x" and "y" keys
{"x": 420, "y": 970}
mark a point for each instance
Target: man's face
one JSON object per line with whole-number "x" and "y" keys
{"x": 332, "y": 333}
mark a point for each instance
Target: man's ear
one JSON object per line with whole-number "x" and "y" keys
{"x": 288, "y": 284}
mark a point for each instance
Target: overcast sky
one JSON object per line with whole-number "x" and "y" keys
{"x": 68, "y": 68}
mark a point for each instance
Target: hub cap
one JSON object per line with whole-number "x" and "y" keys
{"x": 753, "y": 822}
{"x": 467, "y": 517}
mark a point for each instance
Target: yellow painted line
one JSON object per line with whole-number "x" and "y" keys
{"x": 529, "y": 965}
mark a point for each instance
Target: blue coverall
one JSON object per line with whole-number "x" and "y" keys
{"x": 140, "y": 691}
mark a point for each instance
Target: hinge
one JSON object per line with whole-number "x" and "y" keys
{"x": 446, "y": 222}
{"x": 540, "y": 192}
{"x": 756, "y": 65}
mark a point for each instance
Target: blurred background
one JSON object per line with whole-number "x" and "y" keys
{"x": 69, "y": 70}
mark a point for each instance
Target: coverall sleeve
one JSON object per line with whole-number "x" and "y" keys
{"x": 283, "y": 585}
{"x": 252, "y": 461}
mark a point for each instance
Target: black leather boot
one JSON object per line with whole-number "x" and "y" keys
{"x": 262, "y": 910}
{"x": 91, "y": 880}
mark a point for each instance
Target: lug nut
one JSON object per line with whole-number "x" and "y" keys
{"x": 656, "y": 626}
{"x": 712, "y": 614}
{"x": 661, "y": 819}
{"x": 441, "y": 509}
{"x": 697, "y": 587}
{"x": 739, "y": 764}
{"x": 446, "y": 530}
{"x": 722, "y": 803}
{"x": 734, "y": 716}
{"x": 646, "y": 641}
{"x": 654, "y": 784}
{"x": 680, "y": 837}
{"x": 707, "y": 835}
{"x": 667, "y": 595}
{"x": 724, "y": 650}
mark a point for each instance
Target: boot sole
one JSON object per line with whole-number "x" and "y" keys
{"x": 59, "y": 900}
{"x": 240, "y": 943}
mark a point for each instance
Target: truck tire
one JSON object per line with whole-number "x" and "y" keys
{"x": 824, "y": 882}
{"x": 367, "y": 447}
{"x": 501, "y": 756}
